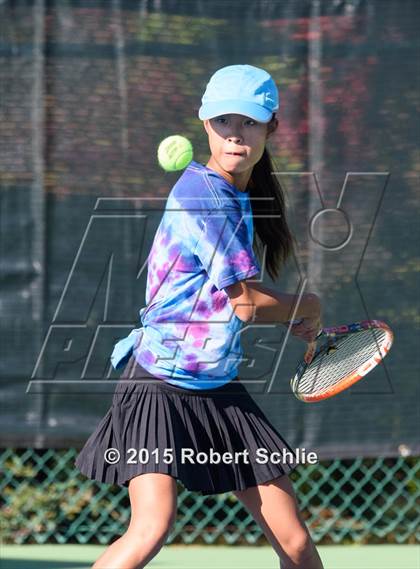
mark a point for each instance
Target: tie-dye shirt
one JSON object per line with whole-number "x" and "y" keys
{"x": 190, "y": 335}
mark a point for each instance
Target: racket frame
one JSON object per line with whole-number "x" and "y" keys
{"x": 335, "y": 332}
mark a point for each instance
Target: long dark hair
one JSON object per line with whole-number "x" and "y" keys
{"x": 272, "y": 232}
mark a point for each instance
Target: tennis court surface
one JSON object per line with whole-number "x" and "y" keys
{"x": 213, "y": 557}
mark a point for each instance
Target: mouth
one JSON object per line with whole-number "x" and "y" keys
{"x": 234, "y": 153}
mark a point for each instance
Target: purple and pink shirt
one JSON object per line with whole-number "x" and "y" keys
{"x": 190, "y": 335}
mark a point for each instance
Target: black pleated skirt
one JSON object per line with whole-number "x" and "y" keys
{"x": 213, "y": 441}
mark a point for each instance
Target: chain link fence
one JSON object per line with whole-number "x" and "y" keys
{"x": 44, "y": 499}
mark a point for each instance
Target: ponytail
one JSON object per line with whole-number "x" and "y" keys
{"x": 272, "y": 232}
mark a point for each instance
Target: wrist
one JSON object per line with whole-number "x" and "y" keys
{"x": 312, "y": 306}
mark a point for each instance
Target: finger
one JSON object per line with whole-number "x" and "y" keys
{"x": 311, "y": 332}
{"x": 304, "y": 335}
{"x": 309, "y": 336}
{"x": 303, "y": 330}
{"x": 300, "y": 326}
{"x": 310, "y": 352}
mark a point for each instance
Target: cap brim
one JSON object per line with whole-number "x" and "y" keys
{"x": 251, "y": 110}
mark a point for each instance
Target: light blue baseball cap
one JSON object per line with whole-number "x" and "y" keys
{"x": 242, "y": 90}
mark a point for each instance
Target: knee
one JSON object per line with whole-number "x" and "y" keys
{"x": 299, "y": 547}
{"x": 158, "y": 536}
{"x": 155, "y": 533}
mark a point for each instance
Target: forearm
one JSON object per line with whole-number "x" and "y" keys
{"x": 268, "y": 305}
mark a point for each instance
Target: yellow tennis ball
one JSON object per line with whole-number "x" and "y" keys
{"x": 175, "y": 153}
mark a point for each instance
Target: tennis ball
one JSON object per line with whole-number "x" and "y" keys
{"x": 175, "y": 153}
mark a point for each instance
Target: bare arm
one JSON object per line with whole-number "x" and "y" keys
{"x": 256, "y": 302}
{"x": 253, "y": 301}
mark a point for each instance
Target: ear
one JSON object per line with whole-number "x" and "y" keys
{"x": 206, "y": 125}
{"x": 272, "y": 127}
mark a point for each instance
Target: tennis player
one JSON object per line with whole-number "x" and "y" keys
{"x": 179, "y": 410}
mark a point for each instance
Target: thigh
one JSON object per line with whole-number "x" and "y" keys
{"x": 274, "y": 506}
{"x": 153, "y": 499}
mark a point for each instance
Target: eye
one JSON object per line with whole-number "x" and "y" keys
{"x": 248, "y": 121}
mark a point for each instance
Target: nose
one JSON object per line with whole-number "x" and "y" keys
{"x": 234, "y": 136}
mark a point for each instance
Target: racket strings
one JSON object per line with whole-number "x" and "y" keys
{"x": 353, "y": 351}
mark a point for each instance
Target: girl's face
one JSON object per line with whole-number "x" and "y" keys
{"x": 237, "y": 143}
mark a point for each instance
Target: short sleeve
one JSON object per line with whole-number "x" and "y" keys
{"x": 224, "y": 247}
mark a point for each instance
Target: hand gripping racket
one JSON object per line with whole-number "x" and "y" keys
{"x": 348, "y": 354}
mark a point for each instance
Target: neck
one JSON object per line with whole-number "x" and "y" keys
{"x": 239, "y": 180}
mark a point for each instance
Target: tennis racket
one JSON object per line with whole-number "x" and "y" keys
{"x": 348, "y": 354}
